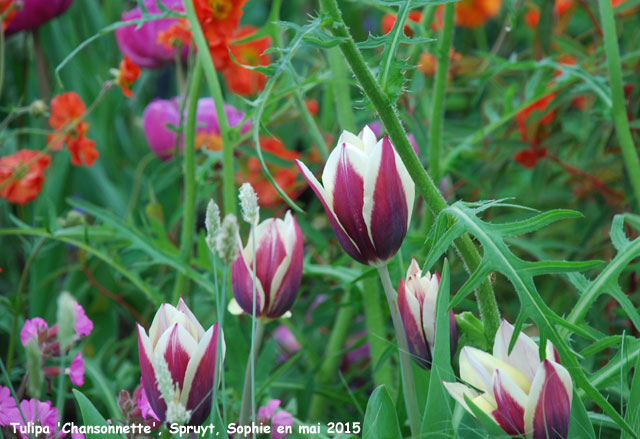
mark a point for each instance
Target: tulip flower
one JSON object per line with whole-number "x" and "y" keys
{"x": 417, "y": 297}
{"x": 34, "y": 13}
{"x": 367, "y": 194}
{"x": 278, "y": 268}
{"x": 143, "y": 44}
{"x": 525, "y": 395}
{"x": 190, "y": 354}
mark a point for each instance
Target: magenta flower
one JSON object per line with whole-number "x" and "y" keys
{"x": 38, "y": 413}
{"x": 143, "y": 403}
{"x": 34, "y": 329}
{"x": 83, "y": 325}
{"x": 35, "y": 13}
{"x": 267, "y": 414}
{"x": 8, "y": 409}
{"x": 524, "y": 395}
{"x": 76, "y": 370}
{"x": 367, "y": 194}
{"x": 279, "y": 254}
{"x": 141, "y": 44}
{"x": 417, "y": 297}
{"x": 161, "y": 119}
{"x": 190, "y": 352}
{"x": 286, "y": 341}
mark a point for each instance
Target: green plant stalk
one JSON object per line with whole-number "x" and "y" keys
{"x": 246, "y": 410}
{"x": 189, "y": 172}
{"x": 376, "y": 334}
{"x": 439, "y": 86}
{"x": 629, "y": 152}
{"x": 228, "y": 186}
{"x": 408, "y": 383}
{"x": 340, "y": 90}
{"x": 307, "y": 118}
{"x": 333, "y": 354}
{"x": 484, "y": 294}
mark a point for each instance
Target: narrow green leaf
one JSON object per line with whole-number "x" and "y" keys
{"x": 92, "y": 417}
{"x": 381, "y": 419}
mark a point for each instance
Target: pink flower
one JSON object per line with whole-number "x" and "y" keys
{"x": 76, "y": 370}
{"x": 32, "y": 330}
{"x": 286, "y": 341}
{"x": 143, "y": 403}
{"x": 84, "y": 325}
{"x": 35, "y": 13}
{"x": 38, "y": 413}
{"x": 141, "y": 44}
{"x": 268, "y": 414}
{"x": 8, "y": 409}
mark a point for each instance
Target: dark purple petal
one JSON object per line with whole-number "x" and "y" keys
{"x": 202, "y": 384}
{"x": 270, "y": 252}
{"x": 416, "y": 339}
{"x": 510, "y": 413}
{"x": 389, "y": 217}
{"x": 149, "y": 377}
{"x": 290, "y": 284}
{"x": 242, "y": 286}
{"x": 35, "y": 13}
{"x": 553, "y": 409}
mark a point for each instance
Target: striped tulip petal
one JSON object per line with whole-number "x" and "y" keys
{"x": 524, "y": 355}
{"x": 477, "y": 368}
{"x": 412, "y": 322}
{"x": 177, "y": 346}
{"x": 147, "y": 371}
{"x": 511, "y": 402}
{"x": 483, "y": 401}
{"x": 549, "y": 406}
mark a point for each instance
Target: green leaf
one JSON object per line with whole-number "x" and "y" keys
{"x": 580, "y": 426}
{"x": 381, "y": 419}
{"x": 92, "y": 417}
{"x": 632, "y": 414}
{"x": 487, "y": 422}
{"x": 439, "y": 408}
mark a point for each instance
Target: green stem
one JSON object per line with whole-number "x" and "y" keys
{"x": 246, "y": 410}
{"x": 340, "y": 90}
{"x": 437, "y": 109}
{"x": 189, "y": 172}
{"x": 408, "y": 384}
{"x": 228, "y": 186}
{"x": 376, "y": 334}
{"x": 620, "y": 120}
{"x": 333, "y": 354}
{"x": 484, "y": 294}
{"x": 307, "y": 118}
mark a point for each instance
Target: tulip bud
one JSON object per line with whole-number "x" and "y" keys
{"x": 182, "y": 380}
{"x": 417, "y": 298}
{"x": 367, "y": 194}
{"x": 524, "y": 395}
{"x": 279, "y": 253}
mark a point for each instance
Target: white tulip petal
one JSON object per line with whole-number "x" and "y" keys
{"x": 524, "y": 355}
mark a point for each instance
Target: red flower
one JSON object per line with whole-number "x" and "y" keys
{"x": 529, "y": 157}
{"x": 538, "y": 107}
{"x": 7, "y": 11}
{"x": 389, "y": 20}
{"x": 240, "y": 80}
{"x": 531, "y": 18}
{"x": 312, "y": 106}
{"x": 66, "y": 113}
{"x": 82, "y": 150}
{"x": 22, "y": 175}
{"x": 126, "y": 75}
{"x": 66, "y": 109}
{"x": 177, "y": 35}
{"x": 475, "y": 13}
{"x": 219, "y": 20}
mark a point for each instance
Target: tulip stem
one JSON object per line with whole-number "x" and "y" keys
{"x": 484, "y": 294}
{"x": 189, "y": 206}
{"x": 246, "y": 409}
{"x": 204, "y": 55}
{"x": 629, "y": 153}
{"x": 408, "y": 384}
{"x": 333, "y": 354}
{"x": 437, "y": 108}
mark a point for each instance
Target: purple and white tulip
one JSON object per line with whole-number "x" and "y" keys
{"x": 417, "y": 297}
{"x": 279, "y": 254}
{"x": 190, "y": 353}
{"x": 367, "y": 194}
{"x": 525, "y": 396}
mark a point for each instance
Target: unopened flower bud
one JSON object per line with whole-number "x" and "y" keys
{"x": 66, "y": 319}
{"x": 38, "y": 108}
{"x": 212, "y": 224}
{"x": 227, "y": 239}
{"x": 249, "y": 204}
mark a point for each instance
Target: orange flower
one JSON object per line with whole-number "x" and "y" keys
{"x": 22, "y": 175}
{"x": 126, "y": 75}
{"x": 247, "y": 82}
{"x": 285, "y": 177}
{"x": 561, "y": 7}
{"x": 66, "y": 108}
{"x": 312, "y": 106}
{"x": 7, "y": 11}
{"x": 82, "y": 150}
{"x": 177, "y": 35}
{"x": 475, "y": 13}
{"x": 219, "y": 20}
{"x": 389, "y": 20}
{"x": 532, "y": 18}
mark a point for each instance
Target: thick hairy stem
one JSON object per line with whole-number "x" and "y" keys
{"x": 408, "y": 383}
{"x": 484, "y": 294}
{"x": 189, "y": 173}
